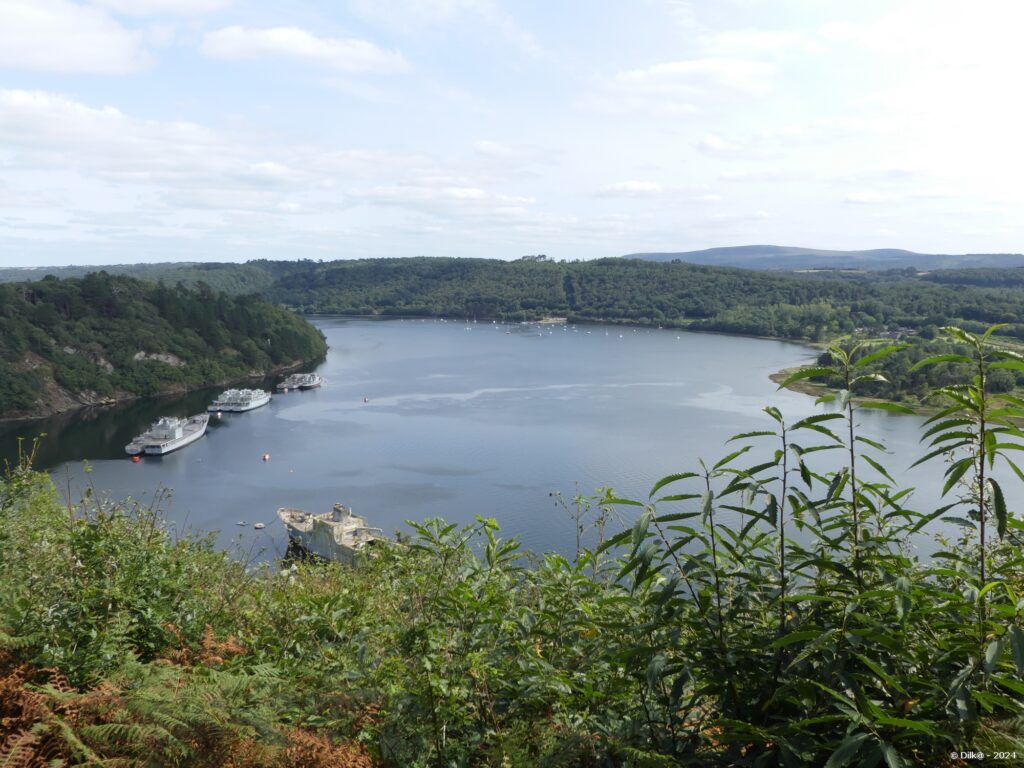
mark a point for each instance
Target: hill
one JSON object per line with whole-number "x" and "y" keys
{"x": 103, "y": 338}
{"x": 785, "y": 257}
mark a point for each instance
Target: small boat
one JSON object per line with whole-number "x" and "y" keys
{"x": 169, "y": 434}
{"x": 336, "y": 535}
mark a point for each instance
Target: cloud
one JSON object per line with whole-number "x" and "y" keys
{"x": 153, "y": 7}
{"x": 713, "y": 144}
{"x": 870, "y": 197}
{"x": 677, "y": 87}
{"x": 61, "y": 36}
{"x": 346, "y": 54}
{"x": 411, "y": 16}
{"x": 755, "y": 42}
{"x": 631, "y": 189}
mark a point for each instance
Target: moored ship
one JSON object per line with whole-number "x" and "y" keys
{"x": 167, "y": 434}
{"x": 336, "y": 535}
{"x": 238, "y": 400}
{"x": 301, "y": 381}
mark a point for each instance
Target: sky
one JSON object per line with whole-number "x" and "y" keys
{"x": 228, "y": 130}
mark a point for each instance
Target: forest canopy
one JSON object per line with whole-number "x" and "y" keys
{"x": 105, "y": 337}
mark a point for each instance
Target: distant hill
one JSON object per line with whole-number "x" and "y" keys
{"x": 786, "y": 257}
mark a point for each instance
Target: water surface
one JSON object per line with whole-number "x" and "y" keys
{"x": 452, "y": 419}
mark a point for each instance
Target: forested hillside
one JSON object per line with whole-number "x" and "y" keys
{"x": 65, "y": 343}
{"x": 793, "y": 306}
{"x": 813, "y": 306}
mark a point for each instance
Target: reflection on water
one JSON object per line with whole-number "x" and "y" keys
{"x": 101, "y": 432}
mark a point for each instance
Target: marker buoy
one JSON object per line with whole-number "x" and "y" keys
{"x": 136, "y": 459}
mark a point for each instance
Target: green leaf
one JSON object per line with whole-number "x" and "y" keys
{"x": 892, "y": 757}
{"x": 846, "y": 751}
{"x": 878, "y": 355}
{"x": 1016, "y": 636}
{"x": 794, "y": 637}
{"x": 670, "y": 479}
{"x": 758, "y": 433}
{"x": 992, "y": 654}
{"x": 878, "y": 467}
{"x": 807, "y": 373}
{"x": 992, "y": 329}
{"x": 722, "y": 462}
{"x": 1013, "y": 365}
{"x": 884, "y": 406}
{"x": 939, "y": 359}
{"x": 955, "y": 472}
{"x": 999, "y": 506}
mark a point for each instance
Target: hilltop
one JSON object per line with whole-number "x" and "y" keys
{"x": 778, "y": 257}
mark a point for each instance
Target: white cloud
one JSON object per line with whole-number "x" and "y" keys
{"x": 754, "y": 42}
{"x": 412, "y": 16}
{"x": 631, "y": 189}
{"x": 153, "y": 7}
{"x": 62, "y": 36}
{"x": 679, "y": 87}
{"x": 698, "y": 76}
{"x": 870, "y": 197}
{"x": 713, "y": 144}
{"x": 346, "y": 54}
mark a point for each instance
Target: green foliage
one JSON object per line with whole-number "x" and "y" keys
{"x": 765, "y": 609}
{"x": 102, "y": 336}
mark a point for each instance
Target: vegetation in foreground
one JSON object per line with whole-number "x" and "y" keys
{"x": 806, "y": 633}
{"x": 101, "y": 338}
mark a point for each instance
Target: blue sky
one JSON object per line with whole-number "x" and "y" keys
{"x": 204, "y": 130}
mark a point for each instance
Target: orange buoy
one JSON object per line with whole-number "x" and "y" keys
{"x": 136, "y": 459}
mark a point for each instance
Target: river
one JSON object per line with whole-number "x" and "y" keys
{"x": 451, "y": 419}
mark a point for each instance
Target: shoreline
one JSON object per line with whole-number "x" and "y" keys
{"x": 118, "y": 401}
{"x": 807, "y": 387}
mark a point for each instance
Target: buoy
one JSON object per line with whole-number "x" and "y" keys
{"x": 136, "y": 459}
{"x": 266, "y": 457}
{"x": 366, "y": 399}
{"x": 219, "y": 415}
{"x": 260, "y": 526}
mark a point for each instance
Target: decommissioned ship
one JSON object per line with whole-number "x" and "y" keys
{"x": 301, "y": 381}
{"x": 239, "y": 400}
{"x": 337, "y": 535}
{"x": 167, "y": 434}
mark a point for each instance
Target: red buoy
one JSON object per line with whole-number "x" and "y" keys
{"x": 136, "y": 459}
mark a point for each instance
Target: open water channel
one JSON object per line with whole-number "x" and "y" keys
{"x": 452, "y": 419}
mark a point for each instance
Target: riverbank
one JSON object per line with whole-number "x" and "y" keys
{"x": 62, "y": 401}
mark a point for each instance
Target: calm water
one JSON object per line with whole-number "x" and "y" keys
{"x": 460, "y": 420}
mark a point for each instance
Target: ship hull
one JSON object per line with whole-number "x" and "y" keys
{"x": 170, "y": 446}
